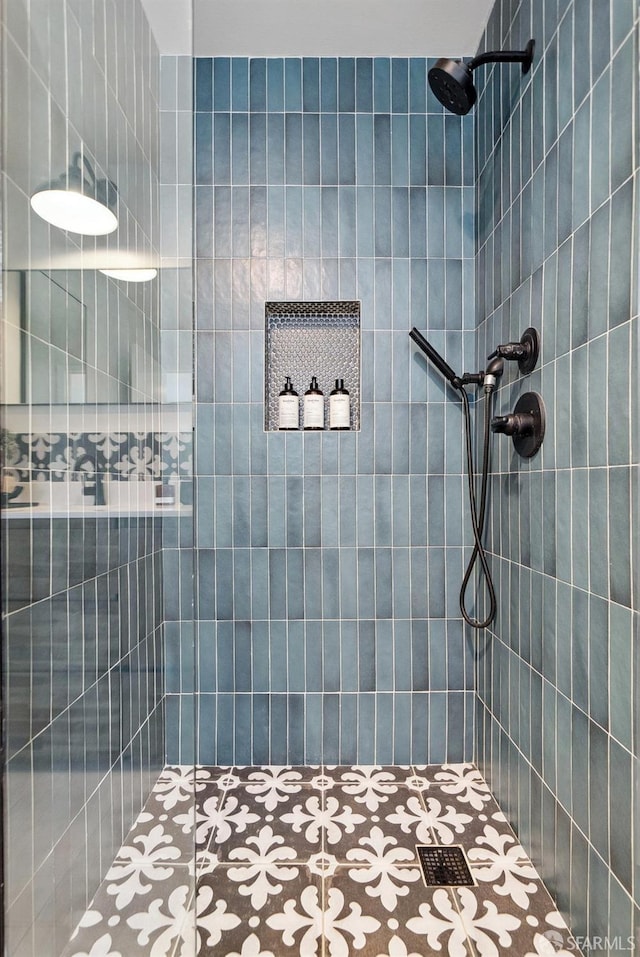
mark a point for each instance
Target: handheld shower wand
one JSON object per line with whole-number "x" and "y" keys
{"x": 443, "y": 367}
{"x": 489, "y": 380}
{"x": 487, "y": 377}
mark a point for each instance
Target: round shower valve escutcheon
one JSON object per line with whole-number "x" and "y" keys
{"x": 526, "y": 424}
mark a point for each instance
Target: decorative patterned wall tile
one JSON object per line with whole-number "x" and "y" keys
{"x": 52, "y": 457}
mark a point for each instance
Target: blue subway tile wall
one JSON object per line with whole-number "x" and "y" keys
{"x": 557, "y": 233}
{"x": 326, "y": 565}
{"x": 82, "y": 600}
{"x": 176, "y": 191}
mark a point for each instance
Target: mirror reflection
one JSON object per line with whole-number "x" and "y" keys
{"x": 95, "y": 452}
{"x": 72, "y": 339}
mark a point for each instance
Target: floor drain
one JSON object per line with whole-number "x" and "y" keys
{"x": 444, "y": 866}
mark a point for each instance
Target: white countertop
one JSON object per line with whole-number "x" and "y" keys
{"x": 67, "y": 500}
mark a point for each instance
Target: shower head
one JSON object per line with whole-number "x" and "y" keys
{"x": 452, "y": 83}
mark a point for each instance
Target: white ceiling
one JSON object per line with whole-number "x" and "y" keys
{"x": 318, "y": 27}
{"x": 172, "y": 24}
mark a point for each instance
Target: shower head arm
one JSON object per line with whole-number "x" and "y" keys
{"x": 506, "y": 56}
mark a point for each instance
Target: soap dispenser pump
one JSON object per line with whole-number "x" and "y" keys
{"x": 288, "y": 407}
{"x": 313, "y": 407}
{"x": 339, "y": 408}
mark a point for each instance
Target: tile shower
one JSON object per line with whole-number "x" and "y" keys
{"x": 319, "y": 859}
{"x": 306, "y": 612}
{"x": 332, "y": 627}
{"x": 557, "y": 728}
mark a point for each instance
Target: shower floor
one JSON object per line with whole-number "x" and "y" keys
{"x": 270, "y": 861}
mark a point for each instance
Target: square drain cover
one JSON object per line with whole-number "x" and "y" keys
{"x": 444, "y": 866}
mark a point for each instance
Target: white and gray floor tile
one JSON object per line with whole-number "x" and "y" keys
{"x": 318, "y": 862}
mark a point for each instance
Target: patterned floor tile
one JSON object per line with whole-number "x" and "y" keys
{"x": 454, "y": 821}
{"x": 497, "y": 925}
{"x": 160, "y": 838}
{"x": 318, "y": 862}
{"x": 251, "y": 910}
{"x": 137, "y": 910}
{"x": 241, "y": 820}
{"x": 463, "y": 780}
{"x": 384, "y": 910}
{"x": 179, "y": 784}
{"x": 459, "y": 803}
{"x": 499, "y": 862}
{"x": 419, "y": 780}
{"x": 348, "y": 826}
{"x": 552, "y": 936}
{"x": 370, "y": 786}
{"x": 378, "y": 843}
{"x": 277, "y": 773}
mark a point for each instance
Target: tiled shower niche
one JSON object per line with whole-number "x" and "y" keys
{"x": 305, "y": 339}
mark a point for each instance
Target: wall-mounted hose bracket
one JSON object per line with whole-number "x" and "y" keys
{"x": 525, "y": 352}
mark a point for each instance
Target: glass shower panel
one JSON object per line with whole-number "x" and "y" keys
{"x": 95, "y": 489}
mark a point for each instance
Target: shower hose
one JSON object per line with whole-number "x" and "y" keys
{"x": 477, "y": 520}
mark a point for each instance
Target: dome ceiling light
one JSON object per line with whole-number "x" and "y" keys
{"x": 77, "y": 201}
{"x": 131, "y": 275}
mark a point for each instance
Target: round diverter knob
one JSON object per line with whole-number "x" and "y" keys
{"x": 525, "y": 424}
{"x": 517, "y": 423}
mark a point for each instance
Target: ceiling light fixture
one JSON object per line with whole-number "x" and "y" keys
{"x": 131, "y": 275}
{"x": 77, "y": 201}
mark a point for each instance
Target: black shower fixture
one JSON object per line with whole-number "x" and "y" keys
{"x": 467, "y": 378}
{"x": 452, "y": 80}
{"x": 525, "y": 424}
{"x": 525, "y": 352}
{"x": 488, "y": 379}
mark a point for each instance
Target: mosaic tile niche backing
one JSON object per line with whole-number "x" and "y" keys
{"x": 305, "y": 339}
